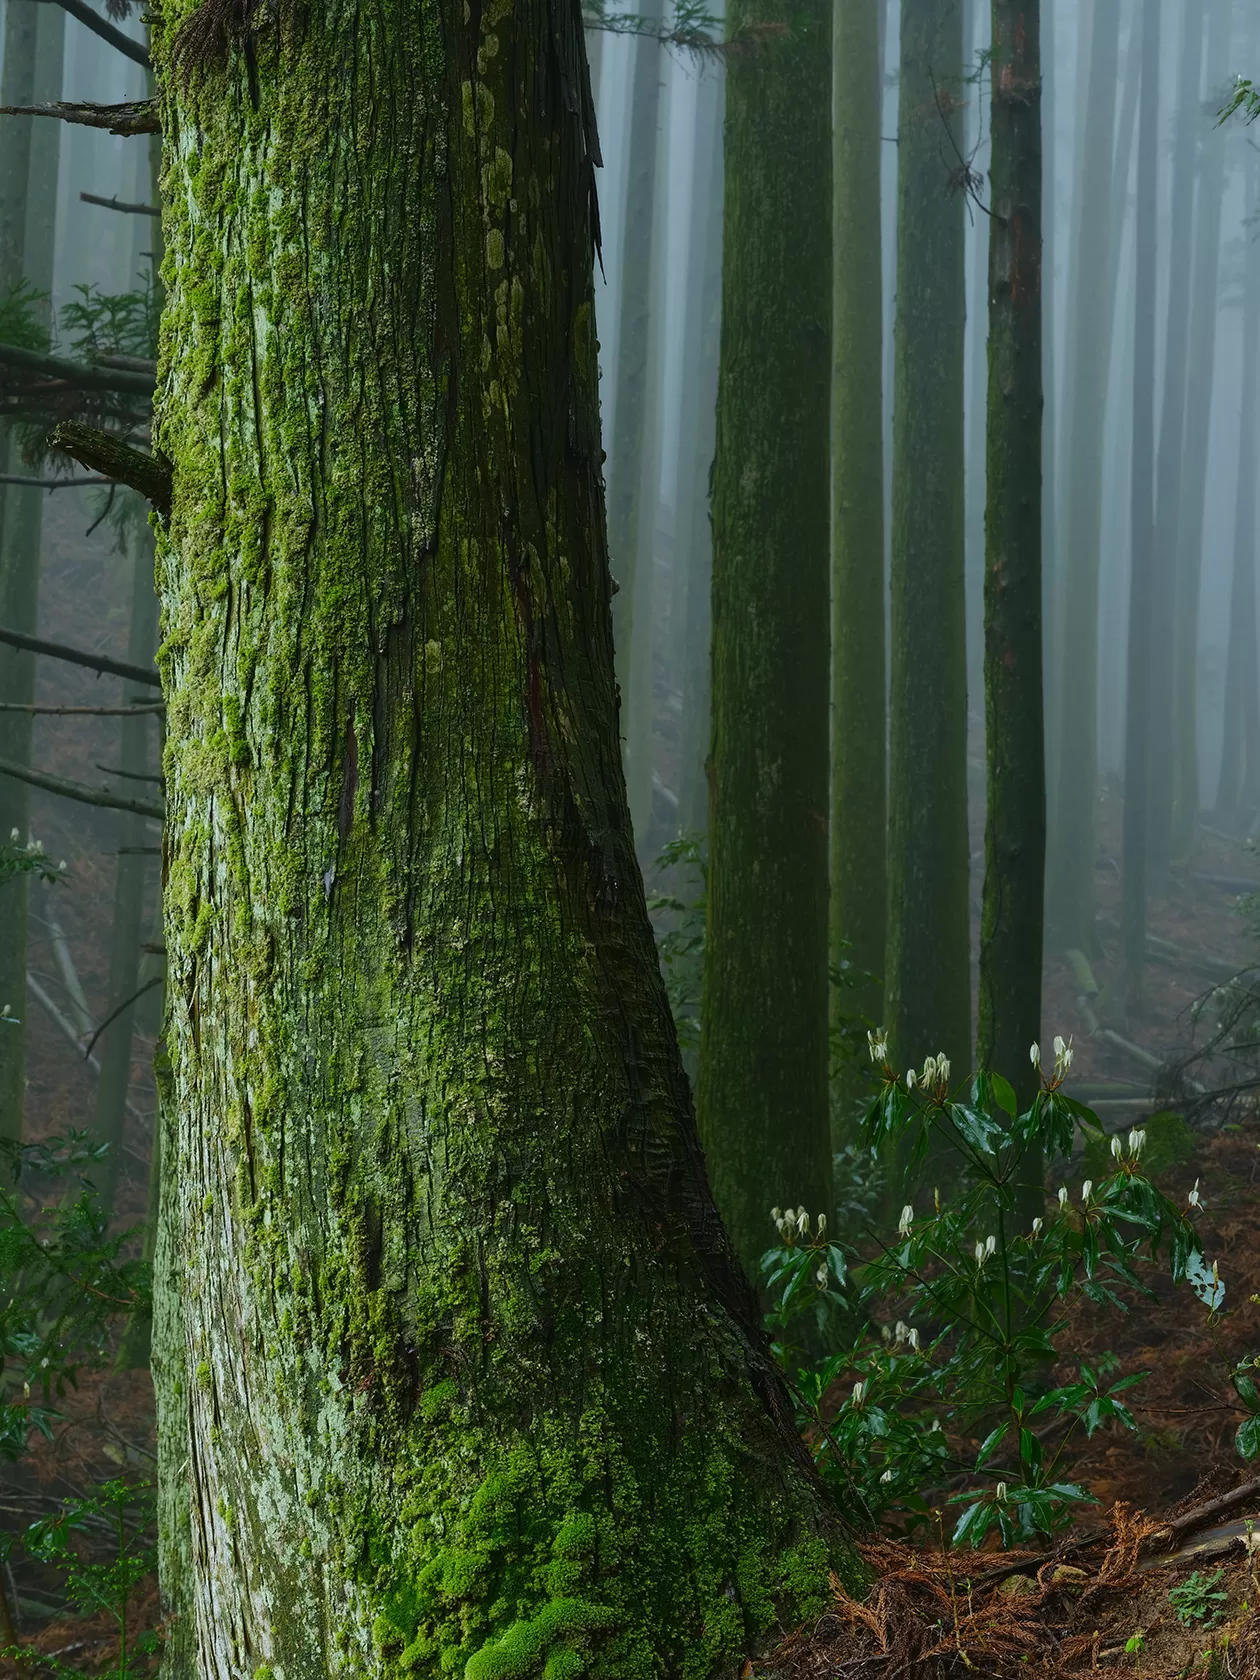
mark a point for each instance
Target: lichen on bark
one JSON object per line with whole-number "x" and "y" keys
{"x": 472, "y": 1380}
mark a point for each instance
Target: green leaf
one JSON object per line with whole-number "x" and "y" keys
{"x": 1004, "y": 1093}
{"x": 982, "y": 1133}
{"x": 1247, "y": 1439}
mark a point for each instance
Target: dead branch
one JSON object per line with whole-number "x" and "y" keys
{"x": 148, "y": 474}
{"x": 132, "y": 116}
{"x": 134, "y": 50}
{"x": 76, "y": 656}
{"x": 77, "y": 790}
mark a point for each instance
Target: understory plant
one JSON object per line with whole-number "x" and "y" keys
{"x": 945, "y": 1330}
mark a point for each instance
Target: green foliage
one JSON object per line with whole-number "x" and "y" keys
{"x": 1170, "y": 1143}
{"x": 28, "y": 859}
{"x": 1200, "y": 1599}
{"x": 124, "y": 1510}
{"x": 97, "y": 323}
{"x": 63, "y": 1286}
{"x": 24, "y": 317}
{"x": 979, "y": 1306}
{"x": 1245, "y": 98}
{"x": 690, "y": 24}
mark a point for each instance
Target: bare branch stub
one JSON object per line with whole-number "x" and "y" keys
{"x": 148, "y": 474}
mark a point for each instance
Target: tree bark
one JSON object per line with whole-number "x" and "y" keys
{"x": 859, "y": 803}
{"x": 928, "y": 966}
{"x": 34, "y": 36}
{"x": 1171, "y": 461}
{"x": 1015, "y": 825}
{"x": 763, "y": 1105}
{"x": 1239, "y": 782}
{"x": 633, "y": 459}
{"x": 1204, "y": 304}
{"x": 1095, "y": 265}
{"x": 473, "y": 1383}
{"x": 701, "y": 336}
{"x": 1142, "y": 529}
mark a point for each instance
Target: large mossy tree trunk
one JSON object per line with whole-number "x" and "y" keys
{"x": 1140, "y": 668}
{"x": 859, "y": 804}
{"x": 1015, "y": 824}
{"x": 928, "y": 965}
{"x": 1094, "y": 269}
{"x": 33, "y": 49}
{"x": 473, "y": 1383}
{"x": 763, "y": 1046}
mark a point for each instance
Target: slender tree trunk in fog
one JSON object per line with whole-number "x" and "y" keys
{"x": 631, "y": 503}
{"x": 1015, "y": 825}
{"x": 1202, "y": 370}
{"x": 451, "y": 1272}
{"x": 928, "y": 967}
{"x": 1095, "y": 263}
{"x": 858, "y": 726}
{"x": 1142, "y": 539}
{"x": 763, "y": 1050}
{"x": 1171, "y": 464}
{"x": 33, "y": 46}
{"x": 1239, "y": 783}
{"x": 700, "y": 337}
{"x": 1051, "y": 391}
{"x": 135, "y": 760}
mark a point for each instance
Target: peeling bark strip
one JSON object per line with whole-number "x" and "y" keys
{"x": 472, "y": 1381}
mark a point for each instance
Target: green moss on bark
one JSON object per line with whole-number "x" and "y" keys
{"x": 485, "y": 1392}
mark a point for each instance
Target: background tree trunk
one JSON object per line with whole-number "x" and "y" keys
{"x": 1240, "y": 751}
{"x": 33, "y": 46}
{"x": 928, "y": 967}
{"x": 859, "y": 803}
{"x": 1015, "y": 826}
{"x": 633, "y": 461}
{"x": 763, "y": 1047}
{"x": 1138, "y": 677}
{"x": 473, "y": 1381}
{"x": 1204, "y": 303}
{"x": 1171, "y": 463}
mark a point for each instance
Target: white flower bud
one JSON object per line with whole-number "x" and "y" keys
{"x": 990, "y": 1245}
{"x": 859, "y": 1390}
{"x": 1063, "y": 1195}
{"x": 980, "y": 1254}
{"x": 1036, "y": 1227}
{"x": 802, "y": 1222}
{"x": 1137, "y": 1137}
{"x": 1192, "y": 1198}
{"x": 887, "y": 1476}
{"x": 822, "y": 1224}
{"x": 913, "y": 1338}
{"x": 909, "y": 1079}
{"x": 1034, "y": 1055}
{"x": 999, "y": 1493}
{"x": 942, "y": 1068}
{"x": 906, "y": 1220}
{"x": 1087, "y": 1189}
{"x": 1117, "y": 1148}
{"x": 820, "y": 1277}
{"x": 13, "y": 835}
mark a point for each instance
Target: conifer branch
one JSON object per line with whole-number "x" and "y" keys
{"x": 78, "y": 790}
{"x": 148, "y": 474}
{"x": 76, "y": 656}
{"x": 134, "y": 50}
{"x": 133, "y": 116}
{"x": 83, "y": 375}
